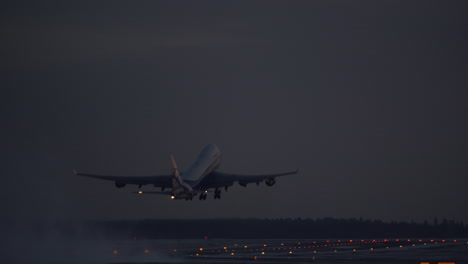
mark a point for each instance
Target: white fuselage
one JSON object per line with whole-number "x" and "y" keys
{"x": 207, "y": 161}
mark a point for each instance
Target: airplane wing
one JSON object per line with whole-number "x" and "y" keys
{"x": 221, "y": 179}
{"x": 120, "y": 181}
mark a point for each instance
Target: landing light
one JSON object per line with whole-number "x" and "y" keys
{"x": 140, "y": 192}
{"x": 172, "y": 197}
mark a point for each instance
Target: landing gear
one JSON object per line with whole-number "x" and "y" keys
{"x": 203, "y": 196}
{"x": 217, "y": 194}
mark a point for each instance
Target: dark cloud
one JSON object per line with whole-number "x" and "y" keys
{"x": 366, "y": 98}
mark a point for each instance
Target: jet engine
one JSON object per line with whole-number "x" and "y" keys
{"x": 270, "y": 181}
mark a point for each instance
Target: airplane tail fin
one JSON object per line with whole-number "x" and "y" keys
{"x": 178, "y": 185}
{"x": 176, "y": 180}
{"x": 175, "y": 171}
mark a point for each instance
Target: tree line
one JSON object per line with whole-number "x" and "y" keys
{"x": 273, "y": 228}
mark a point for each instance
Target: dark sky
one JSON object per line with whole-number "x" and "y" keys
{"x": 367, "y": 98}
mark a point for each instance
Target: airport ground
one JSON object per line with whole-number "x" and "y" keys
{"x": 158, "y": 251}
{"x": 378, "y": 251}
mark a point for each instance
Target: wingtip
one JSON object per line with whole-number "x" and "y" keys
{"x": 75, "y": 172}
{"x": 297, "y": 171}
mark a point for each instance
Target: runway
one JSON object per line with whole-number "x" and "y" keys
{"x": 381, "y": 251}
{"x": 213, "y": 251}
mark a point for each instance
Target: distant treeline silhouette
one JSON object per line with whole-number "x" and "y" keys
{"x": 274, "y": 228}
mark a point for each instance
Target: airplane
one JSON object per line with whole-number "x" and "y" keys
{"x": 197, "y": 180}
